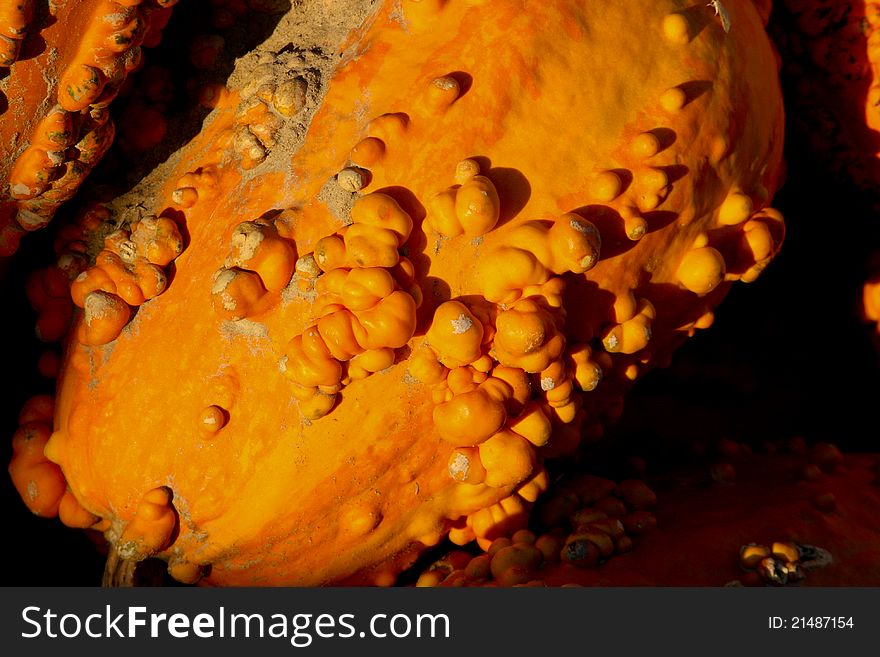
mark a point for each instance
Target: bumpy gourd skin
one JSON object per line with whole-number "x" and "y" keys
{"x": 54, "y": 102}
{"x": 586, "y": 192}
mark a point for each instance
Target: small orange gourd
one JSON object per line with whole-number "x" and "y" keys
{"x": 62, "y": 127}
{"x": 339, "y": 375}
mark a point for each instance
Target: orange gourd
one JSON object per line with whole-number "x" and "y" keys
{"x": 62, "y": 125}
{"x": 488, "y": 233}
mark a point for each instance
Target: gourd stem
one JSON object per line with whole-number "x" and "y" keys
{"x": 119, "y": 572}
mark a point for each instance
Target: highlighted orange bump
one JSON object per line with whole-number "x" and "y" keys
{"x": 701, "y": 270}
{"x": 104, "y": 318}
{"x": 470, "y": 418}
{"x": 632, "y": 335}
{"x": 40, "y": 482}
{"x": 471, "y": 208}
{"x": 455, "y": 334}
{"x": 150, "y": 530}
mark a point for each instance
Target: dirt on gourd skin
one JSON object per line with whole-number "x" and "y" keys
{"x": 308, "y": 41}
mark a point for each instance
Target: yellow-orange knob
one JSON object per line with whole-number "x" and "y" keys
{"x": 382, "y": 211}
{"x": 455, "y": 334}
{"x": 470, "y": 418}
{"x": 508, "y": 459}
{"x": 477, "y": 206}
{"x": 150, "y": 530}
{"x": 701, "y": 270}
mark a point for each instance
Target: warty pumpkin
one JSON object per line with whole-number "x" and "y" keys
{"x": 305, "y": 368}
{"x": 54, "y": 102}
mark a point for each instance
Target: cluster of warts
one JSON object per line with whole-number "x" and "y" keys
{"x": 128, "y": 271}
{"x": 73, "y": 136}
{"x": 366, "y": 304}
{"x": 366, "y": 298}
{"x": 274, "y": 94}
{"x": 39, "y": 481}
